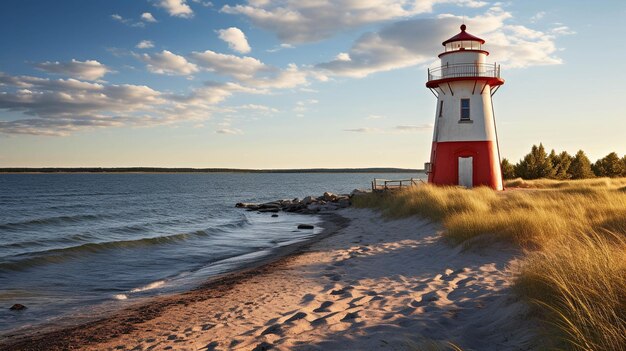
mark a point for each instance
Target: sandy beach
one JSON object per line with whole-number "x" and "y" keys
{"x": 368, "y": 284}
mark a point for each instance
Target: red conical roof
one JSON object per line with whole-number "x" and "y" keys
{"x": 463, "y": 36}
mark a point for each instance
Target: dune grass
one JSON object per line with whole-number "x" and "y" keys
{"x": 574, "y": 234}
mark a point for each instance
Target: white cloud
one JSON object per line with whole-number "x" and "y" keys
{"x": 401, "y": 129}
{"x": 562, "y": 30}
{"x": 280, "y": 47}
{"x": 363, "y": 130}
{"x": 414, "y": 128}
{"x": 145, "y": 44}
{"x": 307, "y": 21}
{"x": 64, "y": 106}
{"x": 236, "y": 39}
{"x": 343, "y": 56}
{"x": 375, "y": 117}
{"x": 287, "y": 78}
{"x": 539, "y": 15}
{"x": 230, "y": 131}
{"x": 127, "y": 21}
{"x": 248, "y": 71}
{"x": 89, "y": 69}
{"x": 398, "y": 45}
{"x": 177, "y": 8}
{"x": 257, "y": 108}
{"x": 213, "y": 93}
{"x": 147, "y": 17}
{"x": 303, "y": 105}
{"x": 411, "y": 42}
{"x": 60, "y": 107}
{"x": 168, "y": 63}
{"x": 470, "y": 3}
{"x": 203, "y": 3}
{"x": 231, "y": 65}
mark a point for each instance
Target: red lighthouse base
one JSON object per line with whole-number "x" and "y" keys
{"x": 482, "y": 155}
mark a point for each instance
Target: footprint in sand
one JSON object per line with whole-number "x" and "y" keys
{"x": 463, "y": 287}
{"x": 353, "y": 302}
{"x": 323, "y": 307}
{"x": 401, "y": 293}
{"x": 349, "y": 317}
{"x": 212, "y": 346}
{"x": 295, "y": 317}
{"x": 323, "y": 320}
{"x": 448, "y": 276}
{"x": 274, "y": 329}
{"x": 407, "y": 311}
{"x": 426, "y": 299}
{"x": 264, "y": 346}
{"x": 307, "y": 298}
{"x": 341, "y": 290}
{"x": 333, "y": 276}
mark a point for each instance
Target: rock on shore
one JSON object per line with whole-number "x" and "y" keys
{"x": 18, "y": 307}
{"x": 308, "y": 205}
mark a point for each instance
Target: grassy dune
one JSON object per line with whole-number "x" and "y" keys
{"x": 574, "y": 234}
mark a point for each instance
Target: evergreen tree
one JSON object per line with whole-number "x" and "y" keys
{"x": 598, "y": 168}
{"x": 508, "y": 172}
{"x": 535, "y": 165}
{"x": 609, "y": 166}
{"x": 561, "y": 164}
{"x": 580, "y": 167}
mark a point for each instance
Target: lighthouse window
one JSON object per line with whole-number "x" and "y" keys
{"x": 465, "y": 109}
{"x": 440, "y": 108}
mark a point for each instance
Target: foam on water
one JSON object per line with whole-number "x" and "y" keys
{"x": 151, "y": 286}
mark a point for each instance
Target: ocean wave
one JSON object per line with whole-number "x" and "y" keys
{"x": 154, "y": 285}
{"x": 29, "y": 244}
{"x": 151, "y": 286}
{"x": 52, "y": 220}
{"x": 24, "y": 261}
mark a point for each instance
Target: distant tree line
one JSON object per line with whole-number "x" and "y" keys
{"x": 539, "y": 164}
{"x": 203, "y": 170}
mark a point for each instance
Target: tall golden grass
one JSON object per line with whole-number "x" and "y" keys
{"x": 574, "y": 233}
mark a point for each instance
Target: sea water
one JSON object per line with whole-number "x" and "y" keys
{"x": 72, "y": 242}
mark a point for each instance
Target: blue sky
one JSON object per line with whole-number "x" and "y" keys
{"x": 293, "y": 84}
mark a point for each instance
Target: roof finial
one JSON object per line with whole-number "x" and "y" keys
{"x": 463, "y": 27}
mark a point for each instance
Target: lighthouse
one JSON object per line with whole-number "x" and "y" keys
{"x": 465, "y": 148}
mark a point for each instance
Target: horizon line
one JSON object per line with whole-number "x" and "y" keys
{"x": 205, "y": 170}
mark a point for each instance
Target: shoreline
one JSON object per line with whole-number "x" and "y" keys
{"x": 367, "y": 283}
{"x": 63, "y": 337}
{"x": 157, "y": 170}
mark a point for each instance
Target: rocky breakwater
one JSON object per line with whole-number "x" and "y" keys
{"x": 308, "y": 205}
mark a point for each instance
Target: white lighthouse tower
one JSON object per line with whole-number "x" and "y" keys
{"x": 465, "y": 148}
